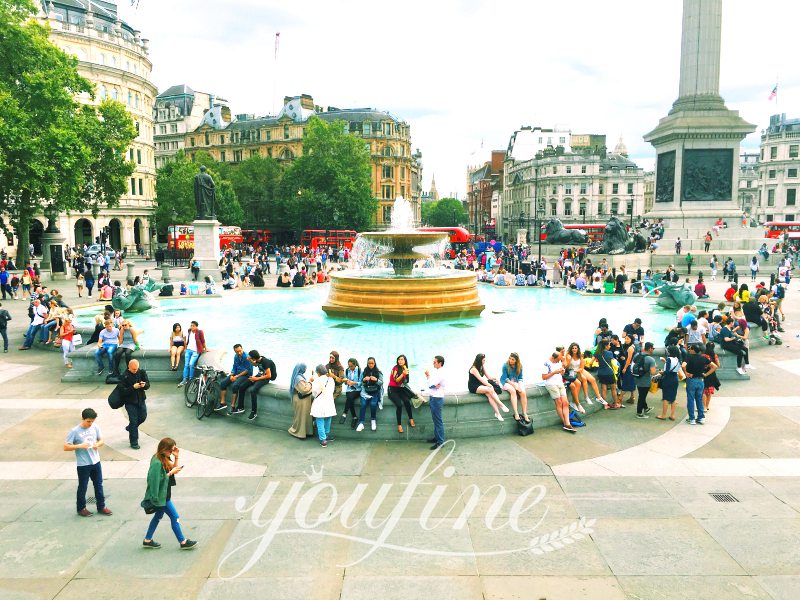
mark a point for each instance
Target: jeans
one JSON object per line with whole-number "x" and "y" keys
{"x": 189, "y": 361}
{"x": 174, "y": 519}
{"x": 323, "y": 428}
{"x": 101, "y": 352}
{"x": 373, "y": 406}
{"x": 4, "y": 335}
{"x": 252, "y": 387}
{"x": 694, "y": 396}
{"x": 119, "y": 354}
{"x": 45, "y": 330}
{"x": 67, "y": 346}
{"x": 30, "y": 335}
{"x": 436, "y": 405}
{"x": 235, "y": 386}
{"x": 641, "y": 403}
{"x": 137, "y": 414}
{"x": 95, "y": 473}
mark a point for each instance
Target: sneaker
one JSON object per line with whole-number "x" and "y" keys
{"x": 373, "y": 425}
{"x": 151, "y": 544}
{"x": 221, "y": 407}
{"x": 135, "y": 446}
{"x": 581, "y": 409}
{"x": 741, "y": 371}
{"x": 691, "y": 421}
{"x": 647, "y": 410}
{"x": 750, "y": 367}
{"x": 330, "y": 438}
{"x": 99, "y": 372}
{"x": 380, "y": 405}
{"x": 237, "y": 411}
{"x": 324, "y": 443}
{"x": 354, "y": 423}
{"x": 504, "y": 408}
{"x": 342, "y": 419}
{"x": 499, "y": 416}
{"x": 360, "y": 427}
{"x": 641, "y": 416}
{"x": 188, "y": 544}
{"x": 252, "y": 416}
{"x": 182, "y": 383}
{"x": 436, "y": 446}
{"x": 700, "y": 421}
{"x": 589, "y": 400}
{"x": 85, "y": 513}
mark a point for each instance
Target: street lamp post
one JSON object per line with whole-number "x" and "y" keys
{"x": 631, "y": 208}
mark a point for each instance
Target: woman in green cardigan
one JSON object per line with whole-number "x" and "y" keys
{"x": 160, "y": 479}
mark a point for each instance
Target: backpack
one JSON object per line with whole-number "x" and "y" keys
{"x": 637, "y": 364}
{"x": 115, "y": 399}
{"x": 575, "y": 419}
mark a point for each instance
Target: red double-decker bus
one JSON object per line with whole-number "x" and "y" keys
{"x": 257, "y": 237}
{"x": 182, "y": 236}
{"x": 458, "y": 237}
{"x": 328, "y": 237}
{"x": 594, "y": 231}
{"x": 776, "y": 229}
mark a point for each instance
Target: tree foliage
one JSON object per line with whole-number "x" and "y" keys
{"x": 329, "y": 187}
{"x": 447, "y": 212}
{"x": 175, "y": 193}
{"x": 255, "y": 182}
{"x": 56, "y": 155}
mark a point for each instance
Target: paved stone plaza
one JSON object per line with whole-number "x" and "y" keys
{"x": 630, "y": 497}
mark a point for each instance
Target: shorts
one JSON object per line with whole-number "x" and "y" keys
{"x": 607, "y": 379}
{"x": 556, "y": 391}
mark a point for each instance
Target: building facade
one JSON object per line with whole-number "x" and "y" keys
{"x": 484, "y": 189}
{"x": 778, "y": 170}
{"x": 748, "y": 182}
{"x": 177, "y": 111}
{"x": 387, "y": 138}
{"x": 114, "y": 57}
{"x": 575, "y": 188}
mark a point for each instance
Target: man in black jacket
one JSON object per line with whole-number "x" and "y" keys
{"x": 133, "y": 384}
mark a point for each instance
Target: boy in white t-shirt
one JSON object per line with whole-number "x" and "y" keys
{"x": 554, "y": 384}
{"x": 85, "y": 440}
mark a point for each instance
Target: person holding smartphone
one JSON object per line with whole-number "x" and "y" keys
{"x": 133, "y": 385}
{"x": 160, "y": 480}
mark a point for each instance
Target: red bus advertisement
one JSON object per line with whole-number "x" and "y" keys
{"x": 459, "y": 238}
{"x": 257, "y": 237}
{"x": 328, "y": 237}
{"x": 776, "y": 229}
{"x": 184, "y": 239}
{"x": 594, "y": 231}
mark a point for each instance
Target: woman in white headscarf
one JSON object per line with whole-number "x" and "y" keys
{"x": 323, "y": 407}
{"x": 301, "y": 397}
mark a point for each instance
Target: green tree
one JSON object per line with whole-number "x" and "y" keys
{"x": 329, "y": 187}
{"x": 56, "y": 154}
{"x": 256, "y": 182}
{"x": 175, "y": 194}
{"x": 447, "y": 212}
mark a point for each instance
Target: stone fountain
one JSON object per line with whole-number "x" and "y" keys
{"x": 402, "y": 292}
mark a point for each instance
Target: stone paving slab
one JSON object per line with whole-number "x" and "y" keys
{"x": 761, "y": 546}
{"x": 322, "y": 587}
{"x": 31, "y": 589}
{"x": 754, "y": 432}
{"x": 702, "y": 587}
{"x": 132, "y": 588}
{"x": 785, "y": 489}
{"x": 676, "y": 546}
{"x": 403, "y": 587}
{"x": 780, "y": 587}
{"x": 526, "y": 587}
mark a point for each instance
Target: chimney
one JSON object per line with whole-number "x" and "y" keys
{"x": 307, "y": 102}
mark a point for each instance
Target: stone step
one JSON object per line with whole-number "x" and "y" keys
{"x": 697, "y": 245}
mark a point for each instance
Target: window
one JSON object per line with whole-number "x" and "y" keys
{"x": 114, "y": 94}
{"x": 630, "y": 208}
{"x": 762, "y": 154}
{"x": 387, "y": 214}
{"x": 130, "y": 154}
{"x": 582, "y": 209}
{"x": 600, "y": 188}
{"x": 136, "y": 101}
{"x": 133, "y": 186}
{"x": 366, "y": 128}
{"x": 387, "y": 172}
{"x": 568, "y": 188}
{"x": 221, "y": 139}
{"x": 789, "y": 217}
{"x": 568, "y": 209}
{"x": 614, "y": 208}
{"x": 541, "y": 139}
{"x": 387, "y": 192}
{"x": 253, "y": 153}
{"x": 770, "y": 217}
{"x": 555, "y": 190}
{"x": 237, "y": 156}
{"x": 130, "y": 98}
{"x": 191, "y": 142}
{"x": 747, "y": 183}
{"x": 387, "y": 151}
{"x": 583, "y": 188}
{"x": 162, "y": 129}
{"x": 562, "y": 140}
{"x": 771, "y": 174}
{"x": 269, "y": 134}
{"x": 773, "y": 153}
{"x": 791, "y": 173}
{"x": 286, "y": 132}
{"x": 269, "y": 152}
{"x": 793, "y": 151}
{"x": 173, "y": 128}
{"x": 615, "y": 188}
{"x": 141, "y": 188}
{"x": 402, "y": 172}
{"x": 555, "y": 170}
{"x": 791, "y": 197}
{"x": 600, "y": 208}
{"x": 138, "y": 157}
{"x": 403, "y": 191}
{"x": 222, "y": 156}
{"x": 770, "y": 198}
{"x": 569, "y": 169}
{"x": 553, "y": 209}
{"x": 206, "y": 138}
{"x": 630, "y": 188}
{"x": 583, "y": 169}
{"x": 387, "y": 128}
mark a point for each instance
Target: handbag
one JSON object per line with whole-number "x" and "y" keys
{"x": 148, "y": 506}
{"x": 524, "y": 428}
{"x": 115, "y": 398}
{"x": 654, "y": 385}
{"x": 496, "y": 386}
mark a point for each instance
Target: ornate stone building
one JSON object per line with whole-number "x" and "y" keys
{"x": 113, "y": 56}
{"x": 779, "y": 165}
{"x": 387, "y": 138}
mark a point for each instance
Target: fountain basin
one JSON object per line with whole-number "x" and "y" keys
{"x": 402, "y": 244}
{"x": 449, "y": 295}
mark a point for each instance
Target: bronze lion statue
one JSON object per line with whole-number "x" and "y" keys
{"x": 617, "y": 240}
{"x": 556, "y": 234}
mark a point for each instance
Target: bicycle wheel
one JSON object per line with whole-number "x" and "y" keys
{"x": 211, "y": 396}
{"x": 200, "y": 407}
{"x": 190, "y": 392}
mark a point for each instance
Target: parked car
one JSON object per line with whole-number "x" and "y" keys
{"x": 94, "y": 250}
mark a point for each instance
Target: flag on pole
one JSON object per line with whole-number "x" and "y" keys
{"x": 277, "y": 39}
{"x": 774, "y": 93}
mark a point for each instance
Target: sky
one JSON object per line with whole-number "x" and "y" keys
{"x": 465, "y": 74}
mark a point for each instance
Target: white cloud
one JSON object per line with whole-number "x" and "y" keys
{"x": 462, "y": 72}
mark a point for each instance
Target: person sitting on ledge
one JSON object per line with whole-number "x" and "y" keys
{"x": 481, "y": 382}
{"x": 519, "y": 280}
{"x": 299, "y": 279}
{"x": 284, "y": 280}
{"x": 700, "y": 289}
{"x": 609, "y": 284}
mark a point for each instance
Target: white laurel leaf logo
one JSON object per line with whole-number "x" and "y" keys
{"x": 568, "y": 534}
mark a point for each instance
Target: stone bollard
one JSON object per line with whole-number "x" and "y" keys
{"x": 165, "y": 273}
{"x": 131, "y": 267}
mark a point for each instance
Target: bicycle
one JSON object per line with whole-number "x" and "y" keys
{"x": 202, "y": 392}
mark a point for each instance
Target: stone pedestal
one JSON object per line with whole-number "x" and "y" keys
{"x": 206, "y": 248}
{"x": 53, "y": 259}
{"x": 697, "y": 143}
{"x": 165, "y": 273}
